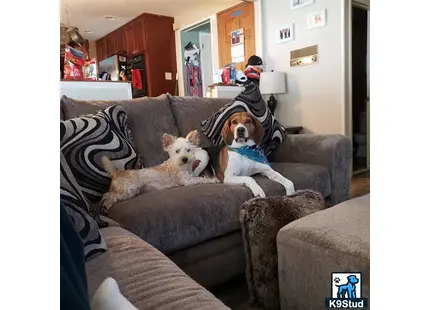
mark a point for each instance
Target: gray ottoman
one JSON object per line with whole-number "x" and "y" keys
{"x": 312, "y": 248}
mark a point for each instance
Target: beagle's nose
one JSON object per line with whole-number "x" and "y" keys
{"x": 241, "y": 130}
{"x": 184, "y": 159}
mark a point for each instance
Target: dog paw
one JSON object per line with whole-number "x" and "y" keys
{"x": 290, "y": 191}
{"x": 210, "y": 180}
{"x": 257, "y": 191}
{"x": 289, "y": 187}
{"x": 106, "y": 203}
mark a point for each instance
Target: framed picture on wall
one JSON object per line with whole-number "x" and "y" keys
{"x": 317, "y": 19}
{"x": 297, "y": 4}
{"x": 285, "y": 33}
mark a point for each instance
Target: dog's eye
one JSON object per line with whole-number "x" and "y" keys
{"x": 177, "y": 151}
{"x": 247, "y": 121}
{"x": 234, "y": 122}
{"x": 188, "y": 150}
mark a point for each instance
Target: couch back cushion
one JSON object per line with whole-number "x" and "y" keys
{"x": 148, "y": 119}
{"x": 80, "y": 212}
{"x": 190, "y": 112}
{"x": 251, "y": 101}
{"x": 85, "y": 140}
{"x": 61, "y": 111}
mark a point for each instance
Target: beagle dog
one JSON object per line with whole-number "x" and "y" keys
{"x": 242, "y": 157}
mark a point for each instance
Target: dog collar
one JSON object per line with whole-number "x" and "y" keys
{"x": 254, "y": 153}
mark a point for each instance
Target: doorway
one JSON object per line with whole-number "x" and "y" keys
{"x": 360, "y": 86}
{"x": 196, "y": 46}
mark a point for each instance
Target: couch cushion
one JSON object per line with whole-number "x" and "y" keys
{"x": 148, "y": 119}
{"x": 147, "y": 278}
{"x": 189, "y": 112}
{"x": 249, "y": 100}
{"x": 306, "y": 176}
{"x": 181, "y": 217}
{"x": 61, "y": 111}
{"x": 86, "y": 139}
{"x": 177, "y": 218}
{"x": 80, "y": 212}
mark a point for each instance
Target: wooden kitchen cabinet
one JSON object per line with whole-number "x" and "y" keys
{"x": 110, "y": 44}
{"x": 120, "y": 41}
{"x": 135, "y": 38}
{"x": 139, "y": 36}
{"x": 129, "y": 39}
{"x": 101, "y": 49}
{"x": 153, "y": 36}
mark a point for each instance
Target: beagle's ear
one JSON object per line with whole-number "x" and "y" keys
{"x": 258, "y": 130}
{"x": 193, "y": 137}
{"x": 167, "y": 141}
{"x": 226, "y": 133}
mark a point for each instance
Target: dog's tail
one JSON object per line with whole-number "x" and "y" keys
{"x": 108, "y": 165}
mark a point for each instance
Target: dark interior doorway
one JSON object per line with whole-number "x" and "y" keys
{"x": 360, "y": 97}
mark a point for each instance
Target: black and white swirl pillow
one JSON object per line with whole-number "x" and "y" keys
{"x": 249, "y": 100}
{"x": 80, "y": 212}
{"x": 86, "y": 139}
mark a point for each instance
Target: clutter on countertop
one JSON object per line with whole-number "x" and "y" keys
{"x": 90, "y": 69}
{"x": 73, "y": 63}
{"x": 77, "y": 66}
{"x": 228, "y": 76}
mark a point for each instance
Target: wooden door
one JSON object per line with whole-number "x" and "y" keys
{"x": 98, "y": 51}
{"x": 129, "y": 39}
{"x": 101, "y": 49}
{"x": 139, "y": 36}
{"x": 120, "y": 41}
{"x": 237, "y": 17}
{"x": 110, "y": 44}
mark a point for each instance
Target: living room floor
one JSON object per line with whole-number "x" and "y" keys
{"x": 235, "y": 292}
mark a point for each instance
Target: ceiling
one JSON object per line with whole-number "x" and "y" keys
{"x": 90, "y": 15}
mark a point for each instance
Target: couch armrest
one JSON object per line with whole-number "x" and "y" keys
{"x": 109, "y": 221}
{"x": 331, "y": 151}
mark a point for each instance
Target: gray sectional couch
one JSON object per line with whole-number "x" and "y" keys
{"x": 197, "y": 227}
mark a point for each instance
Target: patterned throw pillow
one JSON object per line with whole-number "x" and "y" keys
{"x": 80, "y": 212}
{"x": 249, "y": 100}
{"x": 86, "y": 139}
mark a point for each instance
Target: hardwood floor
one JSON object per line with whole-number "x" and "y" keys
{"x": 360, "y": 184}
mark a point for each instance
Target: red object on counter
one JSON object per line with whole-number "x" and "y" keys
{"x": 136, "y": 79}
{"x": 73, "y": 63}
{"x": 90, "y": 69}
{"x": 226, "y": 75}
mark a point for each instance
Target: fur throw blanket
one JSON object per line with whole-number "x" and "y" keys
{"x": 261, "y": 219}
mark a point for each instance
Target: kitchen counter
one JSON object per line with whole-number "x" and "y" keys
{"x": 99, "y": 81}
{"x": 96, "y": 90}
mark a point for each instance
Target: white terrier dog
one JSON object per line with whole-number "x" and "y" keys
{"x": 176, "y": 171}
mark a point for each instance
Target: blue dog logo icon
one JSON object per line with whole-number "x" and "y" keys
{"x": 347, "y": 290}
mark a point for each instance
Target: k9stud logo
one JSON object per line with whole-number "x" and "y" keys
{"x": 346, "y": 291}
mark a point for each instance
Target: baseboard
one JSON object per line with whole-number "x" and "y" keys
{"x": 360, "y": 171}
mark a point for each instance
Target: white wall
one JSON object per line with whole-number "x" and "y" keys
{"x": 315, "y": 96}
{"x": 198, "y": 14}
